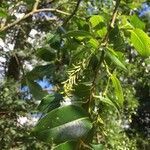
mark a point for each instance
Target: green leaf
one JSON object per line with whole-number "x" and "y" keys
{"x": 54, "y": 41}
{"x": 81, "y": 91}
{"x": 82, "y": 24}
{"x": 94, "y": 43}
{"x": 105, "y": 100}
{"x": 3, "y": 13}
{"x": 79, "y": 33}
{"x": 125, "y": 24}
{"x": 94, "y": 61}
{"x": 69, "y": 145}
{"x": 46, "y": 54}
{"x": 39, "y": 72}
{"x": 114, "y": 57}
{"x": 118, "y": 89}
{"x": 95, "y": 20}
{"x": 116, "y": 39}
{"x": 63, "y": 124}
{"x": 141, "y": 42}
{"x": 136, "y": 22}
{"x": 30, "y": 2}
{"x": 50, "y": 102}
{"x": 97, "y": 146}
{"x": 36, "y": 90}
{"x": 102, "y": 31}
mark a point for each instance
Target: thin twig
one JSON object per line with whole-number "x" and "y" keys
{"x": 52, "y": 10}
{"x": 19, "y": 64}
{"x": 114, "y": 14}
{"x": 73, "y": 13}
{"x": 105, "y": 41}
{"x": 15, "y": 22}
{"x": 36, "y": 5}
{"x": 111, "y": 24}
{"x": 30, "y": 14}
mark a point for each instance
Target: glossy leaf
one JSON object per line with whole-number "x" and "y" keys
{"x": 118, "y": 89}
{"x": 141, "y": 42}
{"x": 62, "y": 124}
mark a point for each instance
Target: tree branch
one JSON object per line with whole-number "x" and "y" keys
{"x": 19, "y": 64}
{"x": 114, "y": 13}
{"x": 30, "y": 14}
{"x": 112, "y": 22}
{"x": 73, "y": 13}
{"x": 36, "y": 5}
{"x": 104, "y": 41}
{"x": 52, "y": 10}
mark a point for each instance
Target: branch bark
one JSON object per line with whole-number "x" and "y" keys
{"x": 34, "y": 10}
{"x": 36, "y": 5}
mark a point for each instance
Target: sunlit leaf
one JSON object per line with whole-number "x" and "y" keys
{"x": 114, "y": 58}
{"x": 94, "y": 43}
{"x": 3, "y": 13}
{"x": 101, "y": 31}
{"x": 136, "y": 22}
{"x": 95, "y": 20}
{"x": 141, "y": 42}
{"x": 118, "y": 89}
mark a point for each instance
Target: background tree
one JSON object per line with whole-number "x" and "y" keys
{"x": 83, "y": 49}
